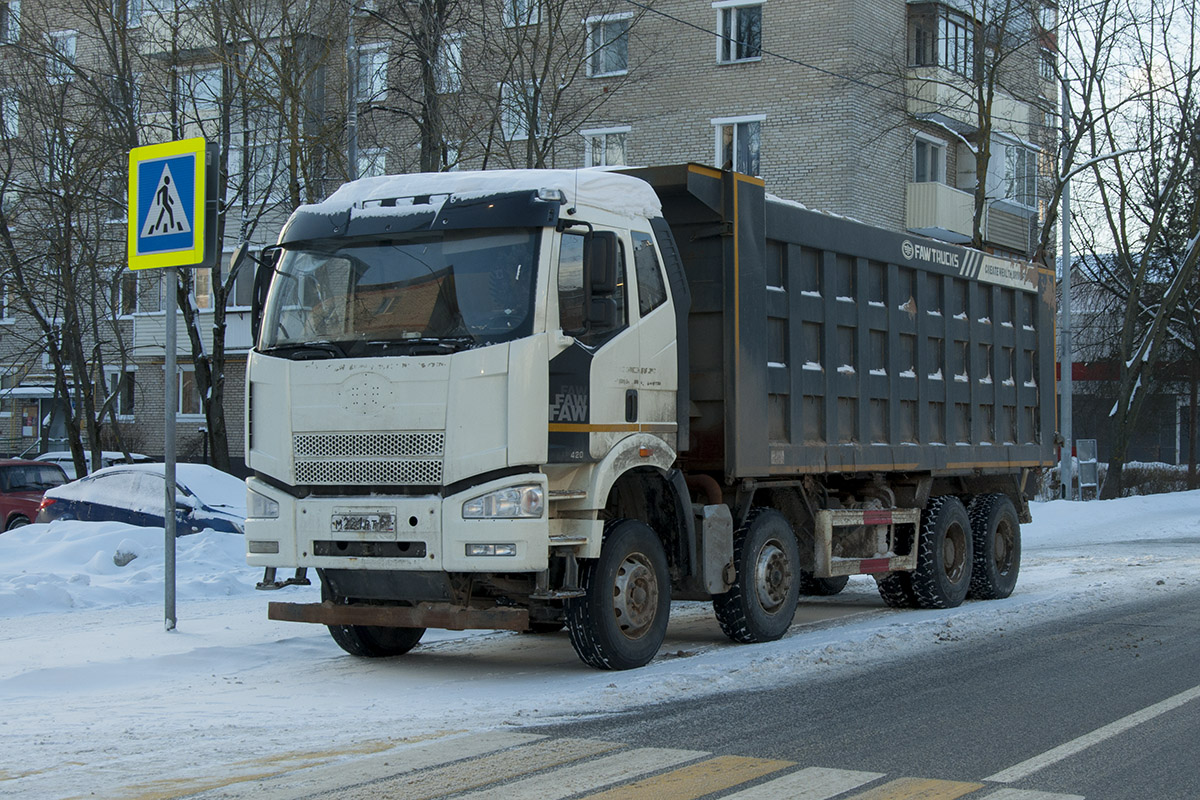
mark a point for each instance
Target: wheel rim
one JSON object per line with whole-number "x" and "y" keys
{"x": 1004, "y": 542}
{"x": 635, "y": 596}
{"x": 772, "y": 576}
{"x": 954, "y": 550}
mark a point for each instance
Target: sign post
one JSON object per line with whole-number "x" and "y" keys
{"x": 172, "y": 224}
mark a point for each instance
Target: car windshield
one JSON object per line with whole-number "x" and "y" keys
{"x": 417, "y": 293}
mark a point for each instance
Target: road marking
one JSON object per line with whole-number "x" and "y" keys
{"x": 918, "y": 789}
{"x": 811, "y": 783}
{"x": 589, "y": 776}
{"x": 1075, "y": 746}
{"x": 478, "y": 772}
{"x": 1025, "y": 794}
{"x": 698, "y": 780}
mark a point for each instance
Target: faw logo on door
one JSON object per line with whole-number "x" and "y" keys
{"x": 570, "y": 404}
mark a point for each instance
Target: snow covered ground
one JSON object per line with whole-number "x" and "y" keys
{"x": 97, "y": 699}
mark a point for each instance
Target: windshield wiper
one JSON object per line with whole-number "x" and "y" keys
{"x": 425, "y": 346}
{"x": 301, "y": 351}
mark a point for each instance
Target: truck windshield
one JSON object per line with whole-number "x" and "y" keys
{"x": 429, "y": 292}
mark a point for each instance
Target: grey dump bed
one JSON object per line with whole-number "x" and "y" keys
{"x": 821, "y": 345}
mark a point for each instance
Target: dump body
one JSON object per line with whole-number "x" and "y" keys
{"x": 818, "y": 344}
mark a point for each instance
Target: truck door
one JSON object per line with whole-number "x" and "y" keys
{"x": 658, "y": 378}
{"x": 593, "y": 397}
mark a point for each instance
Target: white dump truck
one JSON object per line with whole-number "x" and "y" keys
{"x": 528, "y": 399}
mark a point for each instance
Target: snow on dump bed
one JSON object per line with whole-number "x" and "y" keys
{"x": 612, "y": 191}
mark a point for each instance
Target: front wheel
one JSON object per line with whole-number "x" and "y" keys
{"x": 762, "y": 601}
{"x": 370, "y": 641}
{"x": 621, "y": 620}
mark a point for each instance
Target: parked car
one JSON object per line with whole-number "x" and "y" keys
{"x": 108, "y": 458}
{"x": 134, "y": 493}
{"x": 22, "y": 484}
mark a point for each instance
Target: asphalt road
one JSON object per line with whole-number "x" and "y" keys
{"x": 1105, "y": 705}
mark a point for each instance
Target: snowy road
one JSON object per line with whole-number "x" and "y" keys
{"x": 99, "y": 701}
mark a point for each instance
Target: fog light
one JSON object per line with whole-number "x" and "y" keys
{"x": 262, "y": 547}
{"x": 491, "y": 549}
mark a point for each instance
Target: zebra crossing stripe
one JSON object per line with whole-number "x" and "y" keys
{"x": 478, "y": 772}
{"x": 1026, "y": 794}
{"x": 811, "y": 783}
{"x": 918, "y": 789}
{"x": 589, "y": 776}
{"x": 687, "y": 783}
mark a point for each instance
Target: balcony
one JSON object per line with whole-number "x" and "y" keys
{"x": 943, "y": 212}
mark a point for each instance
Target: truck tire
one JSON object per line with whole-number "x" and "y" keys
{"x": 621, "y": 620}
{"x": 896, "y": 589}
{"x": 370, "y": 641}
{"x": 997, "y": 534}
{"x": 944, "y": 554}
{"x": 762, "y": 601}
{"x": 821, "y": 587}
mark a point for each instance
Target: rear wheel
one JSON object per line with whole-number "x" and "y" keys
{"x": 621, "y": 620}
{"x": 370, "y": 641}
{"x": 896, "y": 590}
{"x": 944, "y": 555}
{"x": 17, "y": 522}
{"x": 762, "y": 601}
{"x": 997, "y": 534}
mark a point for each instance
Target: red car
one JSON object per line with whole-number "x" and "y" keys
{"x": 22, "y": 484}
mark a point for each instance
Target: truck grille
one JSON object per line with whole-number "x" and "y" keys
{"x": 369, "y": 458}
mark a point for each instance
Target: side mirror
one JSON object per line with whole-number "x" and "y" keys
{"x": 264, "y": 271}
{"x": 600, "y": 262}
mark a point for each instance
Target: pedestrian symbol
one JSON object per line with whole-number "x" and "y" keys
{"x": 166, "y": 214}
{"x": 168, "y": 187}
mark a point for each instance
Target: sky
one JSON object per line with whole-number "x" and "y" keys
{"x": 100, "y": 700}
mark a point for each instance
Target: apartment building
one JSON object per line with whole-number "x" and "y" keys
{"x": 935, "y": 118}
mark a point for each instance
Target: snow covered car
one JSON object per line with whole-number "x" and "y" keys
{"x": 108, "y": 458}
{"x": 22, "y": 484}
{"x": 134, "y": 493}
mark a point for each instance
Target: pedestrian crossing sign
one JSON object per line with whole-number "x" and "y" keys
{"x": 167, "y": 204}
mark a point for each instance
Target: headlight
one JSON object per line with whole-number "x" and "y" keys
{"x": 260, "y": 507}
{"x": 515, "y": 502}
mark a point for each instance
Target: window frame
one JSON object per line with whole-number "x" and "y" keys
{"x": 719, "y": 124}
{"x": 180, "y": 414}
{"x": 448, "y": 64}
{"x": 589, "y": 152}
{"x": 600, "y": 23}
{"x": 509, "y": 112}
{"x": 938, "y": 152}
{"x": 10, "y": 22}
{"x": 947, "y": 26}
{"x": 514, "y": 17}
{"x": 728, "y": 13}
{"x": 60, "y": 61}
{"x": 376, "y": 73}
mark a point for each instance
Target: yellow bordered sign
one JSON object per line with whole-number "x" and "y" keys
{"x": 167, "y": 193}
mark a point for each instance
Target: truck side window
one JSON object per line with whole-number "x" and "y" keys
{"x": 572, "y": 313}
{"x": 652, "y": 293}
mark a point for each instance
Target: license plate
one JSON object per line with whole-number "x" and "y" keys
{"x": 363, "y": 522}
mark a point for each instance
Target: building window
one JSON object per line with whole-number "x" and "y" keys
{"x": 739, "y": 142}
{"x": 120, "y": 386}
{"x": 1048, "y": 64}
{"x": 1020, "y": 175}
{"x": 10, "y": 21}
{"x": 127, "y": 293}
{"x": 520, "y": 12}
{"x": 372, "y": 73}
{"x": 10, "y": 116}
{"x": 929, "y": 157}
{"x": 941, "y": 37}
{"x": 5, "y": 311}
{"x": 520, "y": 105}
{"x": 60, "y": 61}
{"x": 605, "y": 147}
{"x": 372, "y": 162}
{"x": 200, "y": 91}
{"x": 242, "y": 295}
{"x": 149, "y": 291}
{"x": 128, "y": 10}
{"x": 739, "y": 32}
{"x": 608, "y": 45}
{"x": 448, "y": 67}
{"x": 188, "y": 397}
{"x": 202, "y": 288}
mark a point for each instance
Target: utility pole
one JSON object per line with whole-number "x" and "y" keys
{"x": 1066, "y": 469}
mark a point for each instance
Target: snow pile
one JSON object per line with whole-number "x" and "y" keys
{"x": 65, "y": 565}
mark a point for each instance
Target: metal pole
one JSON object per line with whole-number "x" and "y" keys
{"x": 1067, "y": 468}
{"x": 170, "y": 381}
{"x": 351, "y": 99}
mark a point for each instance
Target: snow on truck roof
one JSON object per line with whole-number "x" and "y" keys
{"x": 597, "y": 188}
